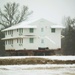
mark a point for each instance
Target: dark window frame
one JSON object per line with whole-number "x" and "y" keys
{"x": 31, "y": 30}
{"x": 42, "y": 29}
{"x": 53, "y": 30}
{"x": 31, "y": 40}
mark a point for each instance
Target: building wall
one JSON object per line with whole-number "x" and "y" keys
{"x": 17, "y": 33}
{"x": 51, "y": 40}
{"x": 43, "y": 37}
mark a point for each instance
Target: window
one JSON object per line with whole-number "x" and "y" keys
{"x": 19, "y": 40}
{"x": 20, "y": 31}
{"x": 53, "y": 30}
{"x": 42, "y": 29}
{"x": 6, "y": 42}
{"x": 5, "y": 32}
{"x": 31, "y": 30}
{"x": 42, "y": 41}
{"x": 10, "y": 32}
{"x": 17, "y": 30}
{"x": 10, "y": 42}
{"x": 31, "y": 40}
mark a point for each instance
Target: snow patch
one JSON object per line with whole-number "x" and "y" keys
{"x": 47, "y": 57}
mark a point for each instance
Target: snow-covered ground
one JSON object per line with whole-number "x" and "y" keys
{"x": 42, "y": 69}
{"x": 51, "y": 69}
{"x": 48, "y": 57}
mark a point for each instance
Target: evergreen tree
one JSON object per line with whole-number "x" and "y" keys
{"x": 68, "y": 42}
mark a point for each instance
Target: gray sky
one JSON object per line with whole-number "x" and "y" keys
{"x": 54, "y": 10}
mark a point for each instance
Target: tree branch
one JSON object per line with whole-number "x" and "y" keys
{"x": 12, "y": 15}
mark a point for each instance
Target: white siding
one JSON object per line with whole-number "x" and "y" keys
{"x": 41, "y": 33}
{"x": 28, "y": 45}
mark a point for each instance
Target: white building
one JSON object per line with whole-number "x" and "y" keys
{"x": 33, "y": 35}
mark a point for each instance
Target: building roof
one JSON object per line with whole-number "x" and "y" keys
{"x": 20, "y": 25}
{"x": 28, "y": 24}
{"x": 57, "y": 26}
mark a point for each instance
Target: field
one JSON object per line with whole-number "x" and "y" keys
{"x": 37, "y": 60}
{"x": 52, "y": 69}
{"x": 49, "y": 68}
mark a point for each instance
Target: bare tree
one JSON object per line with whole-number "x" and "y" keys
{"x": 12, "y": 14}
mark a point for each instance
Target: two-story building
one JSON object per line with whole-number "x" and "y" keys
{"x": 39, "y": 37}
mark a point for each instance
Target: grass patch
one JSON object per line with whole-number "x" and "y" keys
{"x": 33, "y": 61}
{"x": 69, "y": 73}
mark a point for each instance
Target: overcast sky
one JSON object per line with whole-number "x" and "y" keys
{"x": 54, "y": 10}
